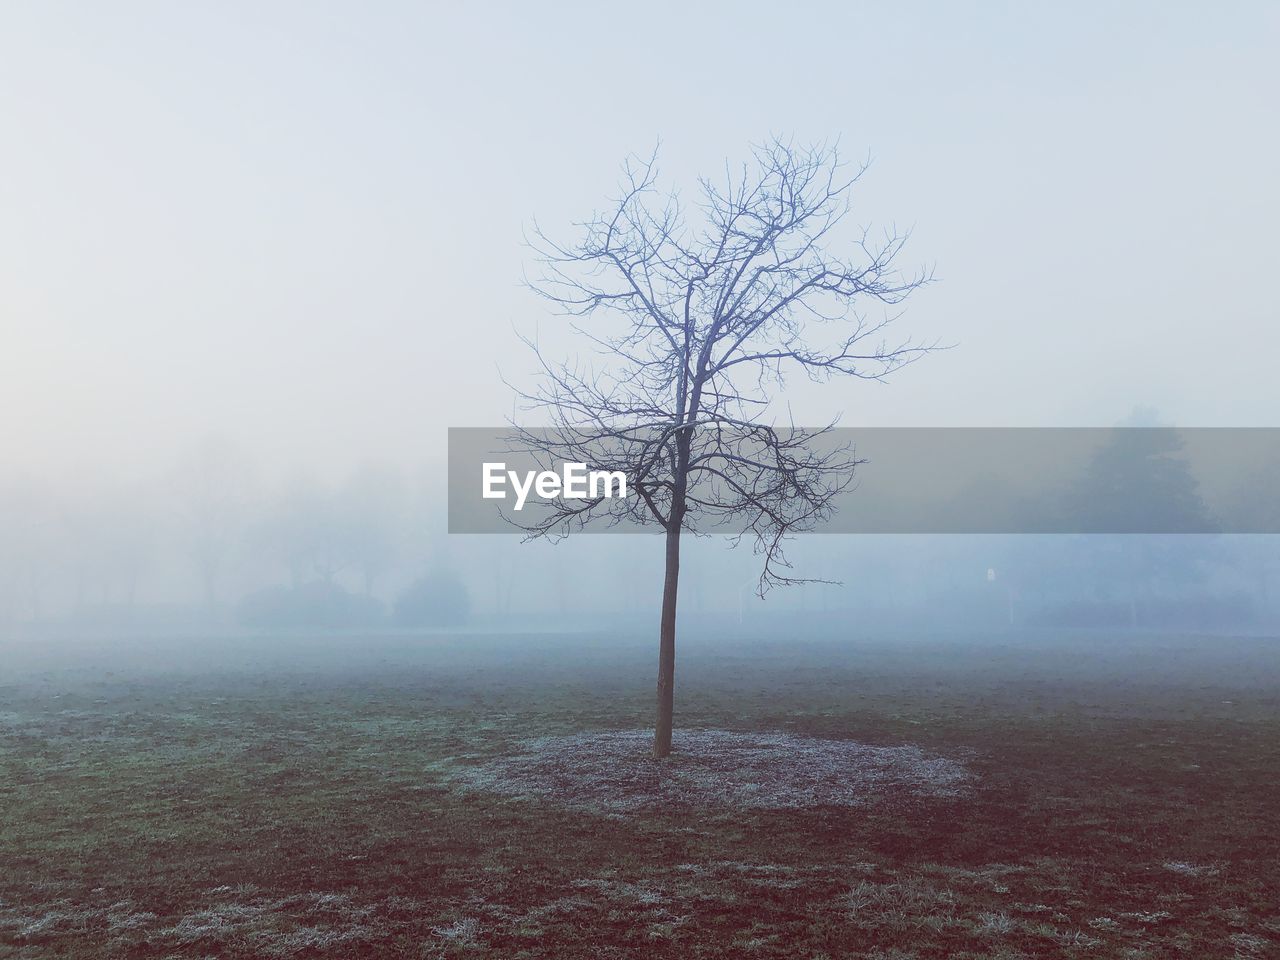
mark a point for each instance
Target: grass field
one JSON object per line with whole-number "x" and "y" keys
{"x": 1107, "y": 796}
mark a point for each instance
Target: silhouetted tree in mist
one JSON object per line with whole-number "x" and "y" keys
{"x": 1140, "y": 489}
{"x": 698, "y": 314}
{"x": 213, "y": 481}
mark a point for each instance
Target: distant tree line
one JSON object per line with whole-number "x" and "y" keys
{"x": 211, "y": 541}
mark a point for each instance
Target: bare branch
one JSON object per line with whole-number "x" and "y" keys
{"x": 695, "y": 325}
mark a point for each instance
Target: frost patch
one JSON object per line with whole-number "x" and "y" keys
{"x": 621, "y": 890}
{"x": 462, "y": 931}
{"x": 1191, "y": 869}
{"x": 613, "y": 771}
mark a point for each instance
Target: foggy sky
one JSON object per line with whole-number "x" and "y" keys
{"x": 300, "y": 225}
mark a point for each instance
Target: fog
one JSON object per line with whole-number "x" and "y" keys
{"x": 255, "y": 261}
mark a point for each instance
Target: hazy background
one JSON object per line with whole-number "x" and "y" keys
{"x": 254, "y": 259}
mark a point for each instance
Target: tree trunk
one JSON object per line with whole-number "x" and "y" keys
{"x": 667, "y": 648}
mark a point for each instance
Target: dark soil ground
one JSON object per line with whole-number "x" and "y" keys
{"x": 1107, "y": 796}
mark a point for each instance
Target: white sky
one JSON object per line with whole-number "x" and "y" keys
{"x": 299, "y": 225}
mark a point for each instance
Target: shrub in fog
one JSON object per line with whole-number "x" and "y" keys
{"x": 439, "y": 599}
{"x": 320, "y": 603}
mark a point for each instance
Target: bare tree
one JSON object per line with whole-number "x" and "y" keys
{"x": 698, "y": 317}
{"x": 213, "y": 481}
